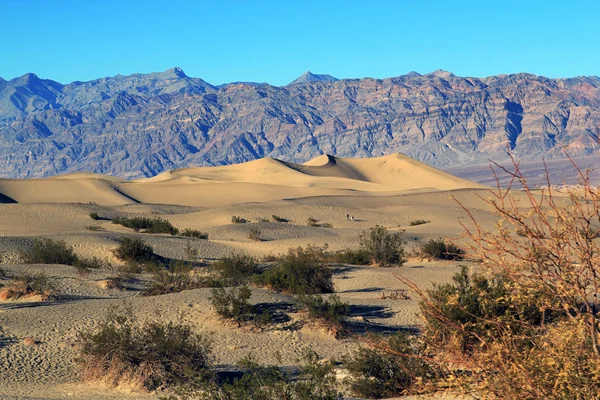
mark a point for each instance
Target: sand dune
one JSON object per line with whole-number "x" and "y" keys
{"x": 255, "y": 181}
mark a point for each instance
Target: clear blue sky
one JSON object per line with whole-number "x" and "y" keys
{"x": 276, "y": 41}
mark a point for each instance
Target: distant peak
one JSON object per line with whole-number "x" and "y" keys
{"x": 413, "y": 74}
{"x": 440, "y": 73}
{"x": 175, "y": 72}
{"x": 27, "y": 78}
{"x": 308, "y": 77}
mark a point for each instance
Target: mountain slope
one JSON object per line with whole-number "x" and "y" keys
{"x": 140, "y": 125}
{"x": 309, "y": 77}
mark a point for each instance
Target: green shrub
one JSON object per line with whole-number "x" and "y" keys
{"x": 384, "y": 248}
{"x": 263, "y": 220}
{"x": 277, "y": 218}
{"x": 94, "y": 216}
{"x": 233, "y": 303}
{"x": 353, "y": 257}
{"x": 315, "y": 381}
{"x": 299, "y": 272}
{"x": 396, "y": 371}
{"x": 135, "y": 250}
{"x": 84, "y": 265}
{"x": 238, "y": 220}
{"x": 194, "y": 234}
{"x": 440, "y": 250}
{"x": 151, "y": 356}
{"x": 236, "y": 269}
{"x": 330, "y": 312}
{"x": 149, "y": 225}
{"x": 418, "y": 222}
{"x": 473, "y": 303}
{"x": 48, "y": 251}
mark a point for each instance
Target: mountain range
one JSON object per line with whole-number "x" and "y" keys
{"x": 142, "y": 124}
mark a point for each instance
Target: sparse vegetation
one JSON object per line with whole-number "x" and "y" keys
{"x": 94, "y": 216}
{"x": 194, "y": 234}
{"x": 233, "y": 303}
{"x": 418, "y": 222}
{"x": 439, "y": 249}
{"x": 390, "y": 367}
{"x": 301, "y": 271}
{"x": 149, "y": 225}
{"x": 236, "y": 269}
{"x": 353, "y": 257}
{"x": 254, "y": 234}
{"x": 277, "y": 218}
{"x": 177, "y": 278}
{"x": 385, "y": 248}
{"x": 48, "y": 251}
{"x": 238, "y": 220}
{"x": 330, "y": 312}
{"x": 84, "y": 265}
{"x": 25, "y": 285}
{"x": 315, "y": 223}
{"x": 150, "y": 356}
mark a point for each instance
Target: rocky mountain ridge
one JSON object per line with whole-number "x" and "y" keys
{"x": 142, "y": 124}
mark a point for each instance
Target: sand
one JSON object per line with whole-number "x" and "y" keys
{"x": 390, "y": 191}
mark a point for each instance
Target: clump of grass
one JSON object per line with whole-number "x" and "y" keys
{"x": 236, "y": 269}
{"x": 263, "y": 220}
{"x": 48, "y": 251}
{"x": 301, "y": 271}
{"x": 234, "y": 304}
{"x": 84, "y": 265}
{"x": 151, "y": 355}
{"x": 94, "y": 216}
{"x": 149, "y": 225}
{"x": 439, "y": 249}
{"x": 418, "y": 222}
{"x": 194, "y": 234}
{"x": 25, "y": 285}
{"x": 277, "y": 218}
{"x": 238, "y": 220}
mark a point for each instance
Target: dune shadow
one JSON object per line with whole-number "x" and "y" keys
{"x": 368, "y": 311}
{"x": 342, "y": 268}
{"x": 4, "y": 199}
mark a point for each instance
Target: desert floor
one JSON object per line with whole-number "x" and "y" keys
{"x": 390, "y": 191}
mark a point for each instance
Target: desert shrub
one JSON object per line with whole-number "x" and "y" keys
{"x": 48, "y": 251}
{"x": 277, "y": 218}
{"x": 149, "y": 225}
{"x": 301, "y": 271}
{"x": 439, "y": 249}
{"x": 177, "y": 278}
{"x": 314, "y": 381}
{"x": 385, "y": 248}
{"x": 84, "y": 265}
{"x": 194, "y": 234}
{"x": 353, "y": 257}
{"x": 236, "y": 269}
{"x": 474, "y": 303}
{"x": 254, "y": 234}
{"x": 330, "y": 312}
{"x": 151, "y": 356}
{"x": 263, "y": 220}
{"x": 233, "y": 303}
{"x": 418, "y": 222}
{"x": 24, "y": 285}
{"x": 310, "y": 221}
{"x": 94, "y": 216}
{"x": 135, "y": 250}
{"x": 391, "y": 367}
{"x": 238, "y": 220}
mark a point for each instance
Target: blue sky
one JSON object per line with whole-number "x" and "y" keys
{"x": 276, "y": 41}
